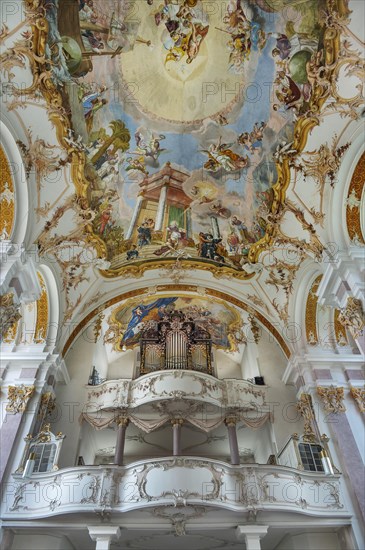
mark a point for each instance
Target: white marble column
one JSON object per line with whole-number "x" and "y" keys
{"x": 136, "y": 212}
{"x": 251, "y": 535}
{"x": 119, "y": 447}
{"x": 176, "y": 436}
{"x": 232, "y": 437}
{"x": 103, "y": 535}
{"x": 161, "y": 208}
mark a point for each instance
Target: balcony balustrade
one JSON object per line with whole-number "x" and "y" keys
{"x": 173, "y": 481}
{"x": 176, "y": 384}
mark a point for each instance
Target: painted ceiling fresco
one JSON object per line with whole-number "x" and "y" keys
{"x": 221, "y": 320}
{"x": 170, "y": 144}
{"x": 186, "y": 113}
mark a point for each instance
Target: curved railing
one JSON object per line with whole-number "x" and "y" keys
{"x": 176, "y": 384}
{"x": 173, "y": 481}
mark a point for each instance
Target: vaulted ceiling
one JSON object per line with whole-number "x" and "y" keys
{"x": 186, "y": 150}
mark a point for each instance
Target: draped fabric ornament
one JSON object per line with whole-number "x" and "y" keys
{"x": 102, "y": 419}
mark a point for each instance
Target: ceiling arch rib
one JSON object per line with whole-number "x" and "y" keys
{"x": 178, "y": 289}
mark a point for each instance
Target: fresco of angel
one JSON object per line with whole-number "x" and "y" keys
{"x": 221, "y": 156}
{"x": 150, "y": 147}
{"x": 137, "y": 165}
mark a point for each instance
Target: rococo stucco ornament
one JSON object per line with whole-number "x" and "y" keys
{"x": 352, "y": 317}
{"x": 359, "y": 395}
{"x": 305, "y": 407}
{"x": 9, "y": 313}
{"x": 18, "y": 397}
{"x": 332, "y": 398}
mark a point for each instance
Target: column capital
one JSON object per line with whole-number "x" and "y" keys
{"x": 332, "y": 398}
{"x": 177, "y": 421}
{"x": 252, "y": 535}
{"x": 230, "y": 420}
{"x": 258, "y": 530}
{"x": 104, "y": 532}
{"x": 18, "y": 397}
{"x": 122, "y": 421}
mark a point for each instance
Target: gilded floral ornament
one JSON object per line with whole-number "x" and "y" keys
{"x": 18, "y": 397}
{"x": 352, "y": 317}
{"x": 7, "y": 203}
{"x": 340, "y": 331}
{"x": 47, "y": 405}
{"x": 40, "y": 333}
{"x": 97, "y": 326}
{"x": 255, "y": 329}
{"x": 359, "y": 395}
{"x": 9, "y": 313}
{"x": 11, "y": 333}
{"x": 305, "y": 407}
{"x": 332, "y": 398}
{"x": 311, "y": 313}
{"x": 353, "y": 202}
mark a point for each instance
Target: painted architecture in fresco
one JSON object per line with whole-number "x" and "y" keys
{"x": 221, "y": 320}
{"x": 184, "y": 115}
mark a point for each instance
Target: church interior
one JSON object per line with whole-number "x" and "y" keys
{"x": 182, "y": 274}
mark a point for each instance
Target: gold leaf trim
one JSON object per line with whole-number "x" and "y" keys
{"x": 7, "y": 202}
{"x": 353, "y": 206}
{"x": 340, "y": 332}
{"x": 41, "y": 328}
{"x": 311, "y": 313}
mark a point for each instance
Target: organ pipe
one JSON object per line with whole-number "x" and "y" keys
{"x": 176, "y": 342}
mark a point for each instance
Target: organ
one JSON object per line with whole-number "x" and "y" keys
{"x": 175, "y": 342}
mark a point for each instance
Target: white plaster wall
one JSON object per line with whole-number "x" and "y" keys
{"x": 123, "y": 366}
{"x": 281, "y": 397}
{"x": 226, "y": 367}
{"x": 263, "y": 448}
{"x": 41, "y": 542}
{"x": 71, "y": 399}
{"x": 310, "y": 541}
